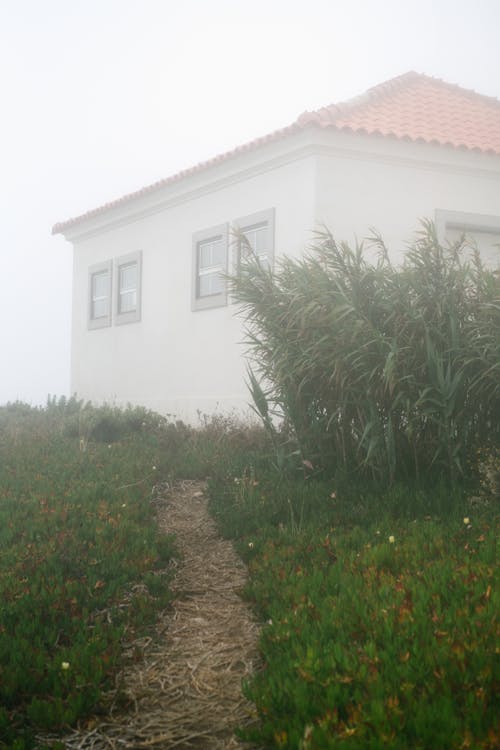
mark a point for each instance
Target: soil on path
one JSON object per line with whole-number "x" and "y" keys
{"x": 186, "y": 692}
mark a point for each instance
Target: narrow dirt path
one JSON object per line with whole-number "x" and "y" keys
{"x": 186, "y": 693}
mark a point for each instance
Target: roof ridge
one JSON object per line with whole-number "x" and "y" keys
{"x": 336, "y": 110}
{"x": 460, "y": 89}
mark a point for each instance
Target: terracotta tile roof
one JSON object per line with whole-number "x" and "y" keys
{"x": 411, "y": 107}
{"x": 418, "y": 108}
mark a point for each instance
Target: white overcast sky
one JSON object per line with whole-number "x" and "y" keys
{"x": 101, "y": 97}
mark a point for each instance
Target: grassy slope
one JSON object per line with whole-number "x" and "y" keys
{"x": 77, "y": 531}
{"x": 381, "y": 613}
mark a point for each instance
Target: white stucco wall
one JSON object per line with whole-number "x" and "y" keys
{"x": 175, "y": 360}
{"x": 180, "y": 362}
{"x": 388, "y": 184}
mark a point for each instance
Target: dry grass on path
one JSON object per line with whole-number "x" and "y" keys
{"x": 186, "y": 692}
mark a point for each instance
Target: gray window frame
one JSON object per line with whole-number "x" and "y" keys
{"x": 105, "y": 320}
{"x": 465, "y": 222}
{"x": 213, "y": 300}
{"x": 245, "y": 223}
{"x": 131, "y": 316}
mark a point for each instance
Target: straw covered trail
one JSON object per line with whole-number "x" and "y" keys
{"x": 186, "y": 691}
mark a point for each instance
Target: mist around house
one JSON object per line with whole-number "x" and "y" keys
{"x": 100, "y": 99}
{"x": 362, "y": 500}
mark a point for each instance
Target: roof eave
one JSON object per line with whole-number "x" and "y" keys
{"x": 64, "y": 226}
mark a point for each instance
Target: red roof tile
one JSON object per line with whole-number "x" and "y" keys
{"x": 412, "y": 107}
{"x": 418, "y": 108}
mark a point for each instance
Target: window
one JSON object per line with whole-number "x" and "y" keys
{"x": 209, "y": 267}
{"x": 211, "y": 262}
{"x": 99, "y": 304}
{"x": 100, "y": 295}
{"x": 481, "y": 231}
{"x": 258, "y": 241}
{"x": 127, "y": 301}
{"x": 128, "y": 288}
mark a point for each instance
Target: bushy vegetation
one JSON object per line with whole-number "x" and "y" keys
{"x": 372, "y": 543}
{"x": 82, "y": 567}
{"x": 372, "y": 565}
{"x": 393, "y": 372}
{"x": 380, "y": 604}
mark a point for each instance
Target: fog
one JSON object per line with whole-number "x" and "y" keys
{"x": 102, "y": 98}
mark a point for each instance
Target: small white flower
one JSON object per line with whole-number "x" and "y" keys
{"x": 250, "y": 544}
{"x": 65, "y": 665}
{"x": 124, "y": 505}
{"x": 391, "y": 539}
{"x": 154, "y": 468}
{"x": 109, "y": 446}
{"x": 466, "y": 521}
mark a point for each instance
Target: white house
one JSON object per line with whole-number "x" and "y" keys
{"x": 152, "y": 323}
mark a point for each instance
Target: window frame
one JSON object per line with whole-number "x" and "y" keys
{"x": 252, "y": 221}
{"x": 207, "y": 302}
{"x": 129, "y": 316}
{"x": 465, "y": 222}
{"x": 103, "y": 321}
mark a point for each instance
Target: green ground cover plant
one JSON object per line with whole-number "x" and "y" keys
{"x": 380, "y": 612}
{"x": 83, "y": 569}
{"x": 77, "y": 537}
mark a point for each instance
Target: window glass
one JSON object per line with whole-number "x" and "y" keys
{"x": 261, "y": 243}
{"x": 211, "y": 283}
{"x": 100, "y": 299}
{"x": 211, "y": 253}
{"x": 128, "y": 288}
{"x": 258, "y": 240}
{"x": 211, "y": 262}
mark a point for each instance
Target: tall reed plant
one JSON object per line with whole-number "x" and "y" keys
{"x": 391, "y": 371}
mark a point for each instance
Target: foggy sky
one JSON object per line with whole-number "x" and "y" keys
{"x": 100, "y": 98}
